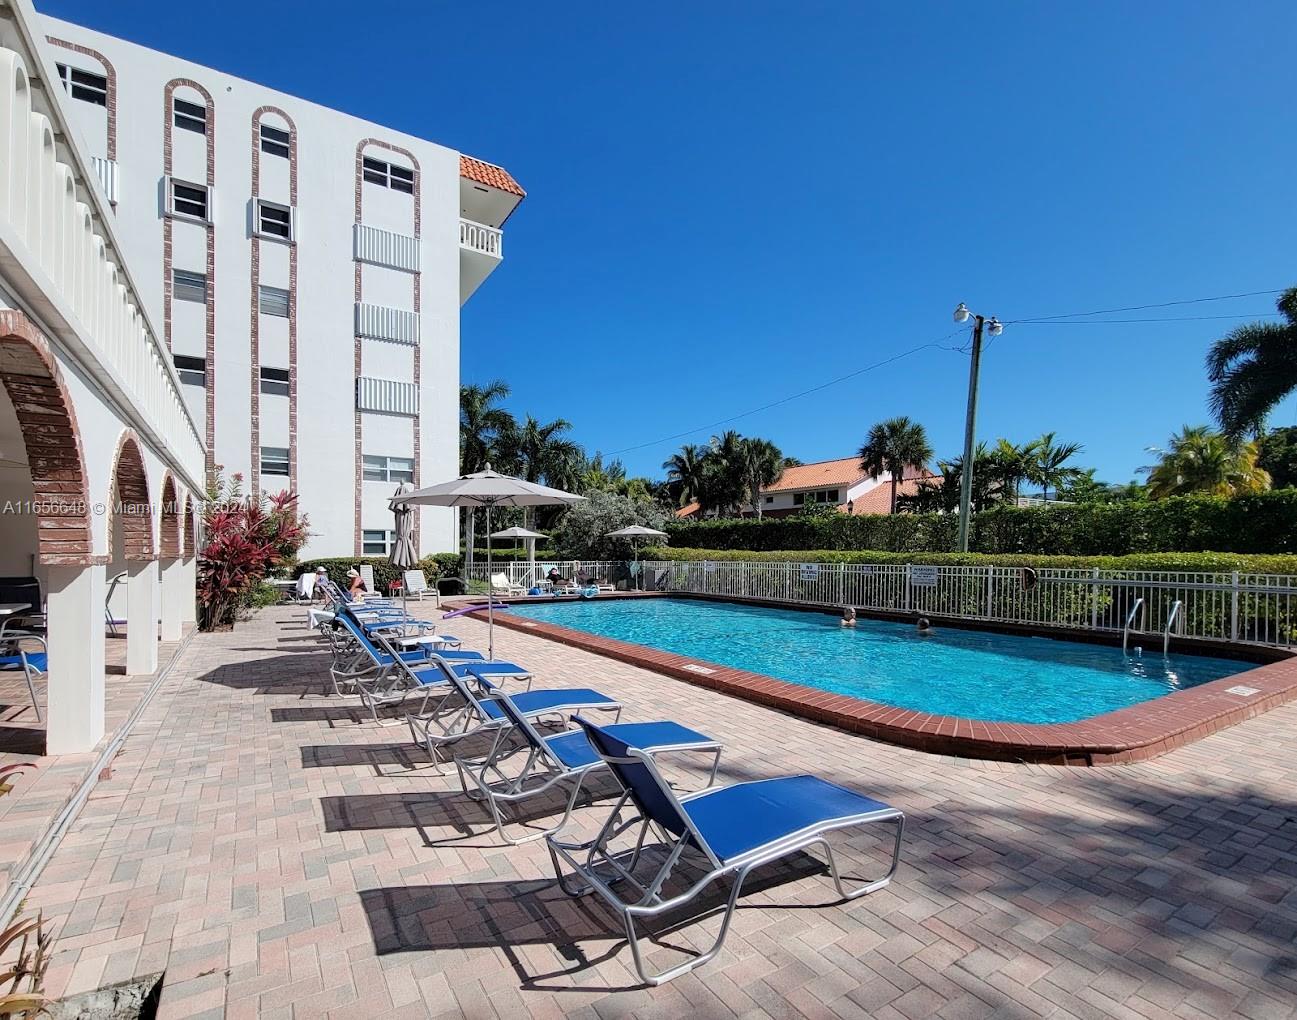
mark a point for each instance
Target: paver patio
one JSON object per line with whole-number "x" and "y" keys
{"x": 278, "y": 857}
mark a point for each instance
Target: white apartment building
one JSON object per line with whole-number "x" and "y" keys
{"x": 306, "y": 268}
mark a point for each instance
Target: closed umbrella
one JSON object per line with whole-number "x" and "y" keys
{"x": 636, "y": 532}
{"x": 487, "y": 489}
{"x": 530, "y": 536}
{"x": 404, "y": 557}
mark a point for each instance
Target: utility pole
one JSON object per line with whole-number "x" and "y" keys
{"x": 962, "y": 314}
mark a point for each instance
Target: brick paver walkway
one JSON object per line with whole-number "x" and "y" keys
{"x": 279, "y": 858}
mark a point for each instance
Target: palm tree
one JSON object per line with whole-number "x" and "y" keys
{"x": 724, "y": 484}
{"x": 1009, "y": 465}
{"x": 1252, "y": 368}
{"x": 1048, "y": 464}
{"x": 762, "y": 464}
{"x": 1201, "y": 461}
{"x": 894, "y": 446}
{"x": 686, "y": 469}
{"x": 483, "y": 425}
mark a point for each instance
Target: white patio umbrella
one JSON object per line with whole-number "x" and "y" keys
{"x": 634, "y": 532}
{"x": 487, "y": 489}
{"x": 404, "y": 557}
{"x": 525, "y": 533}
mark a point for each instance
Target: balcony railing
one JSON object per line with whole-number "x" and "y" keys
{"x": 482, "y": 239}
{"x": 69, "y": 260}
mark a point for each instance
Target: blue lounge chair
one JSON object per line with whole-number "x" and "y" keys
{"x": 732, "y": 828}
{"x": 459, "y": 703}
{"x": 33, "y": 664}
{"x": 553, "y": 759}
{"x": 370, "y": 669}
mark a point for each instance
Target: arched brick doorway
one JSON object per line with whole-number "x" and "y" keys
{"x": 48, "y": 427}
{"x": 189, "y": 530}
{"x": 171, "y": 539}
{"x": 131, "y": 510}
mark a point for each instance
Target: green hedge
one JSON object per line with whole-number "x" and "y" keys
{"x": 434, "y": 566}
{"x": 1265, "y": 523}
{"x": 1207, "y": 562}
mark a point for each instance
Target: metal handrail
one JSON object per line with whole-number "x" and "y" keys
{"x": 1171, "y": 617}
{"x": 1137, "y": 607}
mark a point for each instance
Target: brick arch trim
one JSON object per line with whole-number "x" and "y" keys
{"x": 171, "y": 521}
{"x": 48, "y": 424}
{"x": 130, "y": 498}
{"x": 187, "y": 529}
{"x": 358, "y": 467}
{"x": 110, "y": 72}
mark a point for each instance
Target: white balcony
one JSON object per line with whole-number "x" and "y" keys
{"x": 106, "y": 171}
{"x": 481, "y": 247}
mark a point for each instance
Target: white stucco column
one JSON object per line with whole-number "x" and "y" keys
{"x": 75, "y": 609}
{"x": 188, "y": 585}
{"x": 142, "y": 600}
{"x": 172, "y": 598}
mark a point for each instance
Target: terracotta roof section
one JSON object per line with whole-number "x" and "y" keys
{"x": 489, "y": 174}
{"x": 688, "y": 510}
{"x": 878, "y": 500}
{"x": 845, "y": 471}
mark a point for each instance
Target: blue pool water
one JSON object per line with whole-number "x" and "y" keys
{"x": 974, "y": 674}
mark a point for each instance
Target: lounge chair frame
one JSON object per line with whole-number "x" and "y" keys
{"x": 541, "y": 767}
{"x": 602, "y": 869}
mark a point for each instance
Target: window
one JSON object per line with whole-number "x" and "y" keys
{"x": 274, "y": 220}
{"x": 191, "y": 116}
{"x": 273, "y": 301}
{"x": 799, "y": 498}
{"x": 388, "y": 469}
{"x": 274, "y": 460}
{"x": 192, "y": 371}
{"x": 274, "y": 381}
{"x": 189, "y": 200}
{"x": 826, "y": 496}
{"x": 274, "y": 141}
{"x": 388, "y": 175}
{"x": 187, "y": 286}
{"x": 84, "y": 85}
{"x": 770, "y": 499}
{"x": 377, "y": 543}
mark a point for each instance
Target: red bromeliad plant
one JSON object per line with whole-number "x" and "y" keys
{"x": 246, "y": 537}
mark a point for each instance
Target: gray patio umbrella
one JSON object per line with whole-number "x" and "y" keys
{"x": 487, "y": 489}
{"x": 634, "y": 532}
{"x": 404, "y": 557}
{"x": 526, "y": 533}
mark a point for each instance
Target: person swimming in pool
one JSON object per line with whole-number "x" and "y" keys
{"x": 923, "y": 627}
{"x": 848, "y": 616}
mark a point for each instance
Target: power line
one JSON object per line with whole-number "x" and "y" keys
{"x": 1049, "y": 320}
{"x": 1141, "y": 308}
{"x": 795, "y": 396}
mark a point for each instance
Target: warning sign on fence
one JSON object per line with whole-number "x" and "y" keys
{"x": 810, "y": 571}
{"x": 923, "y": 576}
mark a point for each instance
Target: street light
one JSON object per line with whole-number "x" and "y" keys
{"x": 995, "y": 328}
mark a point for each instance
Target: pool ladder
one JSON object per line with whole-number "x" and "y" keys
{"x": 1137, "y": 609}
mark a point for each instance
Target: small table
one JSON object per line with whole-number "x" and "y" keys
{"x": 8, "y": 609}
{"x": 287, "y": 588}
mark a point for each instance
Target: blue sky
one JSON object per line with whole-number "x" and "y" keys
{"x": 733, "y": 202}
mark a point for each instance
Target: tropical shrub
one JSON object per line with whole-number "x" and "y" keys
{"x": 581, "y": 535}
{"x": 1262, "y": 523}
{"x": 246, "y": 538}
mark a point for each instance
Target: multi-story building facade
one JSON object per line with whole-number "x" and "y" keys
{"x": 307, "y": 269}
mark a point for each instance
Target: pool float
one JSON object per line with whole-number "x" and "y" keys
{"x": 590, "y": 592}
{"x": 472, "y": 609}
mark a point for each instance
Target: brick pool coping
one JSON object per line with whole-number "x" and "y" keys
{"x": 1135, "y": 733}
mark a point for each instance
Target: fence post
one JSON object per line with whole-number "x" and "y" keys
{"x": 842, "y": 584}
{"x": 908, "y": 570}
{"x": 1094, "y": 598}
{"x": 990, "y": 592}
{"x": 1233, "y": 608}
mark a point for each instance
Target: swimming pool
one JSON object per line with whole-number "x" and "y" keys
{"x": 974, "y": 674}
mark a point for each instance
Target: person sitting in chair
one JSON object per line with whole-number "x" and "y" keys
{"x": 356, "y": 584}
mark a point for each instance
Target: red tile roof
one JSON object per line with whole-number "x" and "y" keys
{"x": 878, "y": 500}
{"x": 688, "y": 510}
{"x": 843, "y": 472}
{"x": 489, "y": 174}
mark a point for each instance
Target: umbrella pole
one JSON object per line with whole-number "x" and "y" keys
{"x": 490, "y": 600}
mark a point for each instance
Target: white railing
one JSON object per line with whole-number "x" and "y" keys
{"x": 386, "y": 248}
{"x": 106, "y": 171}
{"x": 1251, "y": 608}
{"x": 525, "y": 574}
{"x": 69, "y": 261}
{"x": 480, "y": 238}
